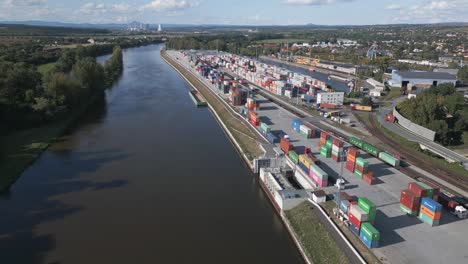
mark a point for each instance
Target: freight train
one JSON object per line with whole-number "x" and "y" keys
{"x": 376, "y": 152}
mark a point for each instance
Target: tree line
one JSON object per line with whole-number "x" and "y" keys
{"x": 28, "y": 98}
{"x": 440, "y": 109}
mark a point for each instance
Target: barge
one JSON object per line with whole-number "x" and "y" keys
{"x": 197, "y": 98}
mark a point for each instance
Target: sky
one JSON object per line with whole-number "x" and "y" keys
{"x": 238, "y": 12}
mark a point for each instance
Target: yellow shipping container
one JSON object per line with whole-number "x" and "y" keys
{"x": 305, "y": 160}
{"x": 364, "y": 108}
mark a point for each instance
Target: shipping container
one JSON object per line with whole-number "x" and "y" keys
{"x": 431, "y": 204}
{"x": 368, "y": 206}
{"x": 353, "y": 219}
{"x": 286, "y": 146}
{"x": 318, "y": 172}
{"x": 358, "y": 213}
{"x": 293, "y": 156}
{"x": 389, "y": 159}
{"x": 358, "y": 173}
{"x": 370, "y": 149}
{"x": 407, "y": 210}
{"x": 264, "y": 127}
{"x": 428, "y": 220}
{"x": 304, "y": 159}
{"x": 272, "y": 138}
{"x": 417, "y": 189}
{"x": 366, "y": 241}
{"x": 427, "y": 187}
{"x": 344, "y": 205}
{"x": 356, "y": 142}
{"x": 354, "y": 229}
{"x": 370, "y": 231}
{"x": 362, "y": 162}
{"x": 429, "y": 213}
{"x": 363, "y": 108}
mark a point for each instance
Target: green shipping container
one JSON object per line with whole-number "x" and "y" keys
{"x": 265, "y": 127}
{"x": 368, "y": 207}
{"x": 358, "y": 173}
{"x": 430, "y": 191}
{"x": 325, "y": 148}
{"x": 329, "y": 143}
{"x": 318, "y": 171}
{"x": 356, "y": 142}
{"x": 293, "y": 155}
{"x": 370, "y": 232}
{"x": 408, "y": 211}
{"x": 362, "y": 162}
{"x": 325, "y": 154}
{"x": 426, "y": 219}
{"x": 371, "y": 149}
{"x": 389, "y": 159}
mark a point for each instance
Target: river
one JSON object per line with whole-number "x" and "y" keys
{"x": 145, "y": 177}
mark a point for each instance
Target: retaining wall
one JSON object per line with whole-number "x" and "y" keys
{"x": 413, "y": 127}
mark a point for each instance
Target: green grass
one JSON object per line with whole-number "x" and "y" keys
{"x": 317, "y": 242}
{"x": 45, "y": 68}
{"x": 392, "y": 94}
{"x": 21, "y": 148}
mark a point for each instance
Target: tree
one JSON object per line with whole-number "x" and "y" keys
{"x": 366, "y": 101}
{"x": 463, "y": 74}
{"x": 66, "y": 61}
{"x": 89, "y": 74}
{"x": 63, "y": 89}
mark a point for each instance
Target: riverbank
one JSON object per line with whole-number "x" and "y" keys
{"x": 21, "y": 148}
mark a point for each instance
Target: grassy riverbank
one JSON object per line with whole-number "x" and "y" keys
{"x": 317, "y": 242}
{"x": 21, "y": 148}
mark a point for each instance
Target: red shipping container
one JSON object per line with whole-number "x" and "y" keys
{"x": 413, "y": 206}
{"x": 435, "y": 188}
{"x": 369, "y": 174}
{"x": 369, "y": 180}
{"x": 286, "y": 146}
{"x": 255, "y": 123}
{"x": 328, "y": 106}
{"x": 350, "y": 168}
{"x": 352, "y": 151}
{"x": 417, "y": 189}
{"x": 354, "y": 220}
{"x": 337, "y": 142}
{"x": 361, "y": 169}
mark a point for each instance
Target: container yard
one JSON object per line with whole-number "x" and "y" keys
{"x": 393, "y": 215}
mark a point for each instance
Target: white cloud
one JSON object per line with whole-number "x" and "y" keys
{"x": 168, "y": 5}
{"x": 93, "y": 9}
{"x": 25, "y": 3}
{"x": 314, "y": 2}
{"x": 431, "y": 11}
{"x": 393, "y": 7}
{"x": 121, "y": 7}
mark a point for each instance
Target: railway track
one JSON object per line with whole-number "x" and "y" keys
{"x": 426, "y": 163}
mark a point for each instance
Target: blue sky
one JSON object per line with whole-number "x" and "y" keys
{"x": 239, "y": 12}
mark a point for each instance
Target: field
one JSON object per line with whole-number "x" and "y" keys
{"x": 45, "y": 68}
{"x": 317, "y": 242}
{"x": 24, "y": 30}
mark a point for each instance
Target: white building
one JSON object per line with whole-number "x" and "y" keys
{"x": 376, "y": 84}
{"x": 404, "y": 78}
{"x": 335, "y": 98}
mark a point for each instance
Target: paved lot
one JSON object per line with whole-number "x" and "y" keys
{"x": 404, "y": 239}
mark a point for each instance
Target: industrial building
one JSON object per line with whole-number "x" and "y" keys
{"x": 336, "y": 98}
{"x": 420, "y": 78}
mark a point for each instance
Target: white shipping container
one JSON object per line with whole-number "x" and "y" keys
{"x": 305, "y": 130}
{"x": 358, "y": 213}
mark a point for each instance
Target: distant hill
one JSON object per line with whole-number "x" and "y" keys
{"x": 27, "y": 30}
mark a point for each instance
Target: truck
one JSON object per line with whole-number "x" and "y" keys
{"x": 311, "y": 156}
{"x": 455, "y": 205}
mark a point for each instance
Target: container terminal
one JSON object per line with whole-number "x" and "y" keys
{"x": 399, "y": 219}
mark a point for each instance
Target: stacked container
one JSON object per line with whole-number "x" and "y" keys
{"x": 337, "y": 150}
{"x": 369, "y": 178}
{"x": 286, "y": 146}
{"x": 430, "y": 191}
{"x": 361, "y": 167}
{"x": 293, "y": 156}
{"x": 323, "y": 138}
{"x": 296, "y": 125}
{"x": 355, "y": 215}
{"x": 325, "y": 151}
{"x": 430, "y": 211}
{"x": 252, "y": 104}
{"x": 351, "y": 159}
{"x": 369, "y": 207}
{"x": 305, "y": 162}
{"x": 305, "y": 131}
{"x": 435, "y": 190}
{"x": 318, "y": 175}
{"x": 369, "y": 235}
{"x": 410, "y": 199}
{"x": 254, "y": 119}
{"x": 264, "y": 128}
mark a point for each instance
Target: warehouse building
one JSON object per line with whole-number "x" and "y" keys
{"x": 420, "y": 78}
{"x": 336, "y": 98}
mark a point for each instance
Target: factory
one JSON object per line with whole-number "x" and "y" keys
{"x": 408, "y": 79}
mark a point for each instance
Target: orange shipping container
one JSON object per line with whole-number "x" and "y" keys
{"x": 432, "y": 215}
{"x": 351, "y": 158}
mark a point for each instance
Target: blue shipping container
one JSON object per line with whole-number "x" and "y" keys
{"x": 431, "y": 204}
{"x": 344, "y": 205}
{"x": 304, "y": 168}
{"x": 365, "y": 240}
{"x": 272, "y": 138}
{"x": 354, "y": 228}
